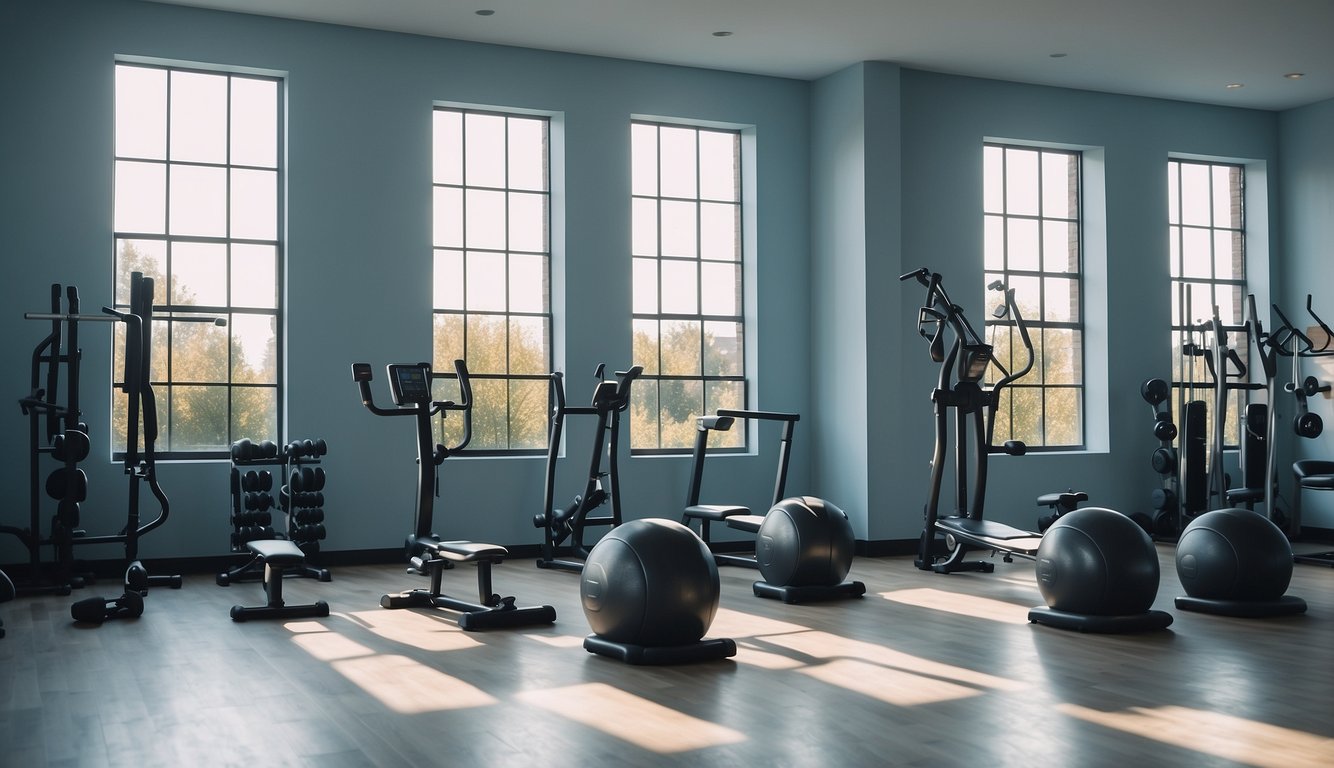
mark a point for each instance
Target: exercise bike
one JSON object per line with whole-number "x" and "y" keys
{"x": 963, "y": 370}
{"x": 427, "y": 554}
{"x": 563, "y": 545}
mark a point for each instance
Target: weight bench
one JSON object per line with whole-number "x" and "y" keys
{"x": 277, "y": 555}
{"x": 491, "y": 611}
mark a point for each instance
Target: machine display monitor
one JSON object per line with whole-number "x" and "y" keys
{"x": 411, "y": 384}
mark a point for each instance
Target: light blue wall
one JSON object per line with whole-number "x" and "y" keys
{"x": 358, "y": 247}
{"x": 1307, "y": 187}
{"x": 944, "y": 121}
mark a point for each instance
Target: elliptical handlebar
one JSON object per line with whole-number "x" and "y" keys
{"x": 1012, "y": 308}
{"x": 939, "y": 311}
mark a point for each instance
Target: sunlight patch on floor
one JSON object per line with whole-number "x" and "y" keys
{"x": 409, "y": 687}
{"x": 559, "y": 641}
{"x": 330, "y": 646}
{"x": 824, "y": 645}
{"x": 630, "y": 718}
{"x": 734, "y": 624}
{"x": 1224, "y": 736}
{"x": 892, "y": 686}
{"x": 960, "y": 604}
{"x": 429, "y": 633}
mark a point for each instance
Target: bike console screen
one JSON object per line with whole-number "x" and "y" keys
{"x": 411, "y": 384}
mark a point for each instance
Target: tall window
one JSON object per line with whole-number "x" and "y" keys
{"x": 198, "y": 170}
{"x": 1206, "y": 242}
{"x": 689, "y": 331}
{"x": 492, "y": 270}
{"x": 1032, "y": 229}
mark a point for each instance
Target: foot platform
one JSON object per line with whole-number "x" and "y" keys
{"x": 809, "y": 594}
{"x": 708, "y": 649}
{"x": 1102, "y": 625}
{"x": 1286, "y": 605}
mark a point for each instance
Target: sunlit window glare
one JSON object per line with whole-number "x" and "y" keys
{"x": 197, "y": 209}
{"x": 491, "y": 202}
{"x": 688, "y": 324}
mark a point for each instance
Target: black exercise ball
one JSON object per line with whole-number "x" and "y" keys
{"x": 805, "y": 542}
{"x": 1234, "y": 554}
{"x": 1097, "y": 562}
{"x": 650, "y": 582}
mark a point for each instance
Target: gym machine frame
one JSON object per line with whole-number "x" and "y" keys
{"x": 735, "y": 516}
{"x": 563, "y": 545}
{"x": 959, "y": 387}
{"x": 141, "y": 430}
{"x": 427, "y": 554}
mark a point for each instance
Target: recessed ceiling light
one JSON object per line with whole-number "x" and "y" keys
{"x": 1234, "y": 86}
{"x": 485, "y": 12}
{"x": 722, "y": 33}
{"x": 1295, "y": 75}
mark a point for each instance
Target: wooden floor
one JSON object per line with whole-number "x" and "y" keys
{"x": 925, "y": 670}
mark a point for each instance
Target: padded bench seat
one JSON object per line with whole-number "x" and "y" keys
{"x": 279, "y": 552}
{"x": 277, "y": 556}
{"x": 466, "y": 551}
{"x": 750, "y": 523}
{"x": 715, "y": 512}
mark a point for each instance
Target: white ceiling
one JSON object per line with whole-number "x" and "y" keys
{"x": 1175, "y": 49}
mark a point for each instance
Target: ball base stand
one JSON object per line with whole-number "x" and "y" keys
{"x": 1102, "y": 625}
{"x": 809, "y": 594}
{"x": 1286, "y": 605}
{"x": 708, "y": 649}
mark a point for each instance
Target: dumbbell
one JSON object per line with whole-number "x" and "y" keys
{"x": 243, "y": 450}
{"x": 320, "y": 447}
{"x": 253, "y": 518}
{"x": 268, "y": 449}
{"x": 96, "y": 610}
{"x": 313, "y": 532}
{"x": 307, "y": 479}
{"x": 250, "y": 481}
{"x": 307, "y": 516}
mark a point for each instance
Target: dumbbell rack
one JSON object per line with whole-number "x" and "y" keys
{"x": 299, "y": 500}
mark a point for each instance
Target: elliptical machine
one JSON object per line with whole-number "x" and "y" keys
{"x": 426, "y": 553}
{"x": 960, "y": 387}
{"x": 563, "y": 545}
{"x": 1095, "y": 567}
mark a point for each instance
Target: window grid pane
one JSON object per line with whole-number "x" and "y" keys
{"x": 1206, "y": 245}
{"x": 492, "y": 283}
{"x": 198, "y": 209}
{"x": 688, "y": 322}
{"x": 1032, "y": 224}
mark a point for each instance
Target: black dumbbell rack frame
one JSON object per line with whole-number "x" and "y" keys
{"x": 293, "y": 464}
